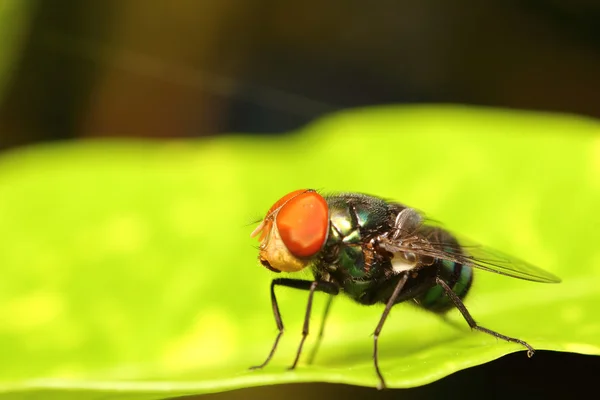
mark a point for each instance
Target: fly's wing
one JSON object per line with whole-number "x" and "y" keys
{"x": 492, "y": 260}
{"x": 432, "y": 241}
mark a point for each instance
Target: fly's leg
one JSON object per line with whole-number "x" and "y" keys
{"x": 465, "y": 313}
{"x": 312, "y": 286}
{"x": 315, "y": 349}
{"x": 293, "y": 283}
{"x": 326, "y": 287}
{"x": 386, "y": 311}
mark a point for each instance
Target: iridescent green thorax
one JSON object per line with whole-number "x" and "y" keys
{"x": 354, "y": 220}
{"x": 365, "y": 273}
{"x": 353, "y": 212}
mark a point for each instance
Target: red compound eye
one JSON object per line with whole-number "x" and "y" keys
{"x": 285, "y": 198}
{"x": 303, "y": 222}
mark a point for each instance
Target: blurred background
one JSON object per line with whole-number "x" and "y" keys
{"x": 189, "y": 68}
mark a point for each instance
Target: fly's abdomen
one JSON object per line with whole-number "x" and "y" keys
{"x": 459, "y": 277}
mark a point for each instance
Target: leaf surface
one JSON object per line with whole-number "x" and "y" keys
{"x": 129, "y": 271}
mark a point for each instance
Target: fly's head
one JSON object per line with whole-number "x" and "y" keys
{"x": 293, "y": 232}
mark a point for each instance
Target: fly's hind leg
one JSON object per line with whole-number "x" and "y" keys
{"x": 465, "y": 313}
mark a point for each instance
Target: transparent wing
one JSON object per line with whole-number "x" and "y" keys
{"x": 432, "y": 241}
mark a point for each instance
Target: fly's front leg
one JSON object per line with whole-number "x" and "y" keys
{"x": 278, "y": 321}
{"x": 326, "y": 287}
{"x": 311, "y": 286}
{"x": 467, "y": 316}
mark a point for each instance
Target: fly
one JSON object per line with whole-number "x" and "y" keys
{"x": 375, "y": 251}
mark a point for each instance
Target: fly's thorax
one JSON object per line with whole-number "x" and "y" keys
{"x": 354, "y": 219}
{"x": 343, "y": 253}
{"x": 352, "y": 211}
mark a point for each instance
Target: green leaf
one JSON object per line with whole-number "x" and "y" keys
{"x": 128, "y": 270}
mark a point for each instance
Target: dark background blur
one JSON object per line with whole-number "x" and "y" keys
{"x": 189, "y": 68}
